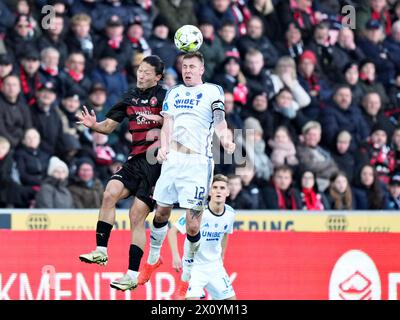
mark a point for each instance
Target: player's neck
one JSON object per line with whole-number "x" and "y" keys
{"x": 216, "y": 208}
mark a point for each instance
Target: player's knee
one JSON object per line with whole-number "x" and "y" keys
{"x": 110, "y": 197}
{"x": 192, "y": 228}
{"x": 163, "y": 213}
{"x": 137, "y": 220}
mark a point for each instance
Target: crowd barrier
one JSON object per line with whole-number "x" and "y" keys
{"x": 352, "y": 221}
{"x": 44, "y": 265}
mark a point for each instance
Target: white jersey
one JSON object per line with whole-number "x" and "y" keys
{"x": 192, "y": 109}
{"x": 213, "y": 228}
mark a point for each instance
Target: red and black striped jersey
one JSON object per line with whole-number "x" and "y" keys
{"x": 135, "y": 103}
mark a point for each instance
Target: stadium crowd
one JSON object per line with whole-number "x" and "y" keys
{"x": 319, "y": 89}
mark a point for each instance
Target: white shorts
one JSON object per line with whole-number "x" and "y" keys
{"x": 213, "y": 278}
{"x": 185, "y": 178}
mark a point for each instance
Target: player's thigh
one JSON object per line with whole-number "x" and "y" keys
{"x": 220, "y": 286}
{"x": 165, "y": 191}
{"x": 199, "y": 278}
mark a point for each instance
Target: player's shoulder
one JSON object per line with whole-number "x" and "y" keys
{"x": 175, "y": 88}
{"x": 215, "y": 88}
{"x": 229, "y": 209}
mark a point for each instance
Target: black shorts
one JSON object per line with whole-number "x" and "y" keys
{"x": 139, "y": 177}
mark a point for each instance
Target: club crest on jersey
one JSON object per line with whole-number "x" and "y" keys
{"x": 153, "y": 101}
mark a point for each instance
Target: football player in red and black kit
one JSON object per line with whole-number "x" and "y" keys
{"x": 137, "y": 176}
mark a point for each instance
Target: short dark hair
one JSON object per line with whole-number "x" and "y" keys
{"x": 195, "y": 54}
{"x": 283, "y": 167}
{"x": 156, "y": 62}
{"x": 220, "y": 177}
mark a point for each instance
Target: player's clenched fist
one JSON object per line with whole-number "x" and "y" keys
{"x": 229, "y": 146}
{"x": 162, "y": 155}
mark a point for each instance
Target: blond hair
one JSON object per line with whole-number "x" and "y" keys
{"x": 80, "y": 17}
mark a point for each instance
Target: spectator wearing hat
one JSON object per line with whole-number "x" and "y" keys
{"x": 74, "y": 76}
{"x": 15, "y": 118}
{"x": 230, "y": 77}
{"x": 211, "y": 48}
{"x": 6, "y": 67}
{"x": 377, "y": 153}
{"x": 177, "y": 13}
{"x": 216, "y": 12}
{"x": 351, "y": 77}
{"x": 113, "y": 40}
{"x": 29, "y": 75}
{"x": 376, "y": 10}
{"x": 54, "y": 37}
{"x": 87, "y": 190}
{"x": 160, "y": 43}
{"x": 255, "y": 39}
{"x": 340, "y": 115}
{"x": 49, "y": 69}
{"x": 292, "y": 44}
{"x": 53, "y": 192}
{"x": 136, "y": 37}
{"x": 81, "y": 39}
{"x": 394, "y": 193}
{"x": 372, "y": 112}
{"x": 22, "y": 36}
{"x": 110, "y": 77}
{"x": 47, "y": 121}
{"x": 348, "y": 47}
{"x": 369, "y": 83}
{"x": 372, "y": 46}
{"x": 315, "y": 158}
{"x": 317, "y": 88}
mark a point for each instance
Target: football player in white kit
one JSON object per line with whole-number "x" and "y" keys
{"x": 191, "y": 112}
{"x": 208, "y": 270}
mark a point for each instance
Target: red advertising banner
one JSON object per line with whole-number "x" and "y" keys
{"x": 262, "y": 265}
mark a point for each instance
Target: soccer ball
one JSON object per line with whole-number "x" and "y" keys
{"x": 188, "y": 38}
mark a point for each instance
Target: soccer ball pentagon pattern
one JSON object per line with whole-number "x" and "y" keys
{"x": 188, "y": 38}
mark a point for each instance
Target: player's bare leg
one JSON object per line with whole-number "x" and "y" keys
{"x": 192, "y": 241}
{"x": 137, "y": 216}
{"x": 158, "y": 233}
{"x": 115, "y": 191}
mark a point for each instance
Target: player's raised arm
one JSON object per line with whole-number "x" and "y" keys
{"x": 173, "y": 244}
{"x": 221, "y": 127}
{"x": 88, "y": 119}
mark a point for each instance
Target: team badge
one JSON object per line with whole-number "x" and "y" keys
{"x": 153, "y": 101}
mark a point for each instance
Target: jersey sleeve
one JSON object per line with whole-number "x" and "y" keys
{"x": 181, "y": 224}
{"x": 168, "y": 104}
{"x": 232, "y": 220}
{"x": 118, "y": 111}
{"x": 218, "y": 99}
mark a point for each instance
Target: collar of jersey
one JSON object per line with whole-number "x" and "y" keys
{"x": 217, "y": 215}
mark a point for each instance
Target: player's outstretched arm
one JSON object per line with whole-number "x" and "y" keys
{"x": 166, "y": 134}
{"x": 88, "y": 119}
{"x": 173, "y": 244}
{"x": 153, "y": 117}
{"x": 221, "y": 129}
{"x": 224, "y": 245}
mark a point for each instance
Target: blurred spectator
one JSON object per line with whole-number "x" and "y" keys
{"x": 228, "y": 37}
{"x": 6, "y": 67}
{"x": 342, "y": 115}
{"x": 283, "y": 149}
{"x": 368, "y": 82}
{"x": 292, "y": 45}
{"x": 170, "y": 79}
{"x": 14, "y": 114}
{"x": 31, "y": 161}
{"x": 375, "y": 10}
{"x": 232, "y": 112}
{"x": 396, "y": 149}
{"x": 377, "y": 153}
{"x": 159, "y": 42}
{"x": 211, "y": 48}
{"x": 339, "y": 194}
{"x": 347, "y": 45}
{"x": 6, "y": 18}
{"x": 368, "y": 192}
{"x": 396, "y": 11}
{"x": 137, "y": 41}
{"x": 392, "y": 43}
{"x": 281, "y": 195}
{"x": 224, "y": 162}
{"x": 29, "y": 75}
{"x": 372, "y": 46}
{"x": 97, "y": 99}
{"x": 342, "y": 155}
{"x": 177, "y": 13}
{"x": 80, "y": 38}
{"x": 49, "y": 70}
{"x": 86, "y": 189}
{"x": 54, "y": 37}
{"x": 255, "y": 39}
{"x": 90, "y": 8}
{"x": 104, "y": 155}
{"x": 255, "y": 148}
{"x": 131, "y": 70}
{"x": 313, "y": 157}
{"x": 217, "y": 12}
{"x": 351, "y": 78}
{"x": 265, "y": 10}
{"x": 73, "y": 76}
{"x": 251, "y": 186}
{"x": 394, "y": 193}
{"x": 394, "y": 93}
{"x": 311, "y": 198}
{"x": 373, "y": 113}
{"x": 238, "y": 199}
{"x": 53, "y": 191}
{"x": 108, "y": 75}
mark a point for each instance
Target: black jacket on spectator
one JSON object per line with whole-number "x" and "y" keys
{"x": 269, "y": 51}
{"x": 260, "y": 83}
{"x": 394, "y": 50}
{"x": 86, "y": 46}
{"x": 123, "y": 53}
{"x": 362, "y": 202}
{"x": 346, "y": 163}
{"x": 32, "y": 165}
{"x": 45, "y": 77}
{"x": 163, "y": 48}
{"x": 14, "y": 120}
{"x": 380, "y": 119}
{"x": 242, "y": 201}
{"x": 291, "y": 197}
{"x": 335, "y": 119}
{"x": 81, "y": 87}
{"x": 19, "y": 45}
{"x": 6, "y": 17}
{"x": 44, "y": 42}
{"x": 207, "y": 12}
{"x": 350, "y": 56}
